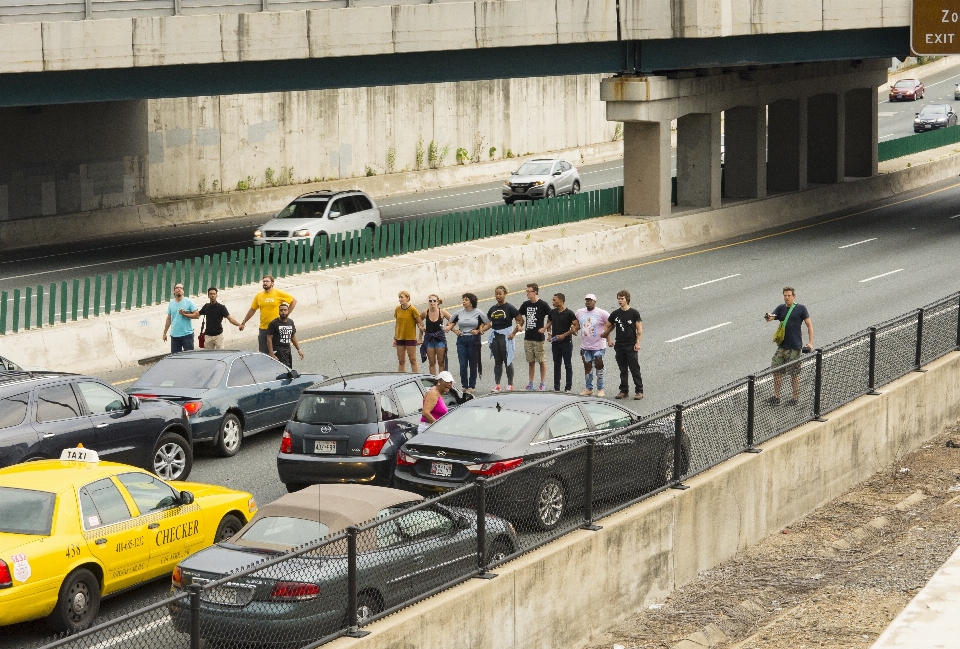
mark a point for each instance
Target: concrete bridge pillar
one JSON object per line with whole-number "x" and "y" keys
{"x": 646, "y": 168}
{"x": 698, "y": 160}
{"x": 860, "y": 132}
{"x": 786, "y": 145}
{"x": 825, "y": 149}
{"x": 745, "y": 152}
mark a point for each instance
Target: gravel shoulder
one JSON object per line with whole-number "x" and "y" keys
{"x": 834, "y": 579}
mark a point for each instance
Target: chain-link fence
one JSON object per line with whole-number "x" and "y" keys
{"x": 335, "y": 586}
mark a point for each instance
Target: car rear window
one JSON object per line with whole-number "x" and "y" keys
{"x": 336, "y": 409}
{"x": 482, "y": 423}
{"x": 24, "y": 511}
{"x": 183, "y": 373}
{"x": 285, "y": 530}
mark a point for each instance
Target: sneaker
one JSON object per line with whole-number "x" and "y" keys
{"x": 541, "y": 388}
{"x": 793, "y": 402}
{"x": 568, "y": 390}
{"x": 586, "y": 393}
{"x": 529, "y": 386}
{"x": 621, "y": 395}
{"x": 509, "y": 388}
{"x": 496, "y": 388}
{"x": 638, "y": 396}
{"x": 774, "y": 401}
{"x": 600, "y": 393}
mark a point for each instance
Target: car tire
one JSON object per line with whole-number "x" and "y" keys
{"x": 576, "y": 187}
{"x": 368, "y": 605}
{"x": 228, "y": 527}
{"x": 508, "y": 201}
{"x": 78, "y": 602}
{"x": 499, "y": 550}
{"x": 172, "y": 457}
{"x": 549, "y": 505}
{"x": 551, "y": 192}
{"x": 293, "y": 487}
{"x": 230, "y": 437}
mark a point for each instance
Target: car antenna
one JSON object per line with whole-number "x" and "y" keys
{"x": 341, "y": 374}
{"x": 499, "y": 406}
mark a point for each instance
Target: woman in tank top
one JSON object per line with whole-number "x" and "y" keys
{"x": 434, "y": 347}
{"x": 433, "y": 405}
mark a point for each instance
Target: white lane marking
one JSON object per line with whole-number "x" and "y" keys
{"x": 711, "y": 281}
{"x": 886, "y": 113}
{"x": 697, "y": 333}
{"x": 850, "y": 245}
{"x": 886, "y": 136}
{"x": 953, "y": 217}
{"x": 879, "y": 276}
{"x": 131, "y": 634}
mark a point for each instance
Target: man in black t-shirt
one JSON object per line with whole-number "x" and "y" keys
{"x": 562, "y": 326}
{"x": 792, "y": 346}
{"x": 214, "y": 313}
{"x": 626, "y": 321}
{"x": 532, "y": 319}
{"x": 281, "y": 332}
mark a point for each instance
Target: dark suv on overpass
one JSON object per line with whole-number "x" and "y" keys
{"x": 42, "y": 413}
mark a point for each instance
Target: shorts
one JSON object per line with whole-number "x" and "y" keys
{"x": 435, "y": 344}
{"x": 589, "y": 354}
{"x": 535, "y": 350}
{"x": 784, "y": 356}
{"x": 406, "y": 343}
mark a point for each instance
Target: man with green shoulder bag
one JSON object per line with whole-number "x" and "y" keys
{"x": 789, "y": 342}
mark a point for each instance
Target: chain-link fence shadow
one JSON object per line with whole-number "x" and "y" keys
{"x": 784, "y": 397}
{"x": 940, "y": 329}
{"x": 845, "y": 374}
{"x": 715, "y": 426}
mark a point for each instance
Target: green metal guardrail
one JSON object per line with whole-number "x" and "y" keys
{"x": 135, "y": 288}
{"x": 916, "y": 143}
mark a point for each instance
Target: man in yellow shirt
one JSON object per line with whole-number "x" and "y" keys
{"x": 268, "y": 302}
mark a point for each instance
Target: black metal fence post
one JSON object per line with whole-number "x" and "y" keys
{"x": 918, "y": 356}
{"x": 588, "y": 471}
{"x": 481, "y": 487}
{"x": 194, "y": 615}
{"x": 818, "y": 388}
{"x": 678, "y": 448}
{"x": 751, "y": 414}
{"x": 353, "y": 622}
{"x": 872, "y": 371}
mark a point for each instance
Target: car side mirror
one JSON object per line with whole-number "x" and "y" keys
{"x": 463, "y": 522}
{"x": 133, "y": 403}
{"x": 916, "y": 114}
{"x": 334, "y": 215}
{"x": 186, "y": 498}
{"x": 293, "y": 374}
{"x": 557, "y": 173}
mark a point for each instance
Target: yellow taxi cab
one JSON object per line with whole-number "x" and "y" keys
{"x": 77, "y": 529}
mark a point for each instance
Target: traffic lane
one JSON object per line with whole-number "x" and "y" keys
{"x": 895, "y": 119}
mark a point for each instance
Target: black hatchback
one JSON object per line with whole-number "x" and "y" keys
{"x": 348, "y": 429}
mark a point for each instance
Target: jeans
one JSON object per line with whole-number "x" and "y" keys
{"x": 499, "y": 349}
{"x": 262, "y": 341}
{"x": 181, "y": 343}
{"x": 465, "y": 345}
{"x": 628, "y": 361}
{"x": 562, "y": 352}
{"x": 592, "y": 356}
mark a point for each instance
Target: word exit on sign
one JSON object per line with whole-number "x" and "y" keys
{"x": 935, "y": 27}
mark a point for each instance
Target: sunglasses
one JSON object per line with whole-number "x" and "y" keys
{"x": 431, "y": 300}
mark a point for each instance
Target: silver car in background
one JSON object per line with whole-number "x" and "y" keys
{"x": 541, "y": 178}
{"x": 316, "y": 213}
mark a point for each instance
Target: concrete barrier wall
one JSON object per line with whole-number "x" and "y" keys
{"x": 566, "y": 593}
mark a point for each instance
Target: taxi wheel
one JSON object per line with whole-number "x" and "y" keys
{"x": 77, "y": 604}
{"x": 172, "y": 458}
{"x": 229, "y": 526}
{"x": 230, "y": 437}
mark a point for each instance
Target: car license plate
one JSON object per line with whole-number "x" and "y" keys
{"x": 328, "y": 448}
{"x": 441, "y": 469}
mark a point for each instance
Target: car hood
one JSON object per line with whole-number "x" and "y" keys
{"x": 467, "y": 449}
{"x": 290, "y": 224}
{"x": 523, "y": 180}
{"x": 201, "y": 489}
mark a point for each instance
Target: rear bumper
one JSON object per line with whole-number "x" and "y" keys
{"x": 315, "y": 469}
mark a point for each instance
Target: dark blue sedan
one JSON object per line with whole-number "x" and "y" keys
{"x": 226, "y": 394}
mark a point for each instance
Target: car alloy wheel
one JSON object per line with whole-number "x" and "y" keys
{"x": 228, "y": 528}
{"x": 551, "y": 503}
{"x": 551, "y": 192}
{"x": 499, "y": 551}
{"x": 231, "y": 436}
{"x": 576, "y": 187}
{"x": 367, "y": 607}
{"x": 173, "y": 457}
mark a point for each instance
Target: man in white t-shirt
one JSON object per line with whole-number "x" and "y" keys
{"x": 593, "y": 343}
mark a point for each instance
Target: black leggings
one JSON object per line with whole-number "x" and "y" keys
{"x": 499, "y": 349}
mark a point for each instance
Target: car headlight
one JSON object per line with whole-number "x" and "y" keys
{"x": 302, "y": 233}
{"x": 538, "y": 183}
{"x": 916, "y": 120}
{"x": 257, "y": 234}
{"x": 506, "y": 182}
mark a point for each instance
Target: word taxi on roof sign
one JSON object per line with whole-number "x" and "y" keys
{"x": 935, "y": 27}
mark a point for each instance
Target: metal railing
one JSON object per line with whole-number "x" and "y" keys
{"x": 916, "y": 143}
{"x": 354, "y": 571}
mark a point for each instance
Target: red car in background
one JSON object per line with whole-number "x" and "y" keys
{"x": 907, "y": 89}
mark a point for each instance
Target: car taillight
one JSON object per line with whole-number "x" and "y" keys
{"x": 192, "y": 407}
{"x": 5, "y": 581}
{"x": 374, "y": 444}
{"x": 405, "y": 460}
{"x": 494, "y": 468}
{"x": 177, "y": 577}
{"x": 294, "y": 590}
{"x": 286, "y": 442}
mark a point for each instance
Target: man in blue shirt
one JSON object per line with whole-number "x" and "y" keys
{"x": 180, "y": 327}
{"x": 789, "y": 350}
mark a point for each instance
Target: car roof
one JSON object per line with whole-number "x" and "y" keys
{"x": 14, "y": 378}
{"x": 531, "y": 402}
{"x": 363, "y": 381}
{"x": 53, "y": 476}
{"x": 326, "y": 194}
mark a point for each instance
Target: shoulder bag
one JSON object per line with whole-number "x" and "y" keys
{"x": 202, "y": 338}
{"x": 781, "y": 332}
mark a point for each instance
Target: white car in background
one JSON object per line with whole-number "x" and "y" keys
{"x": 541, "y": 178}
{"x": 317, "y": 213}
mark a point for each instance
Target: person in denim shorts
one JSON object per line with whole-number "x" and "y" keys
{"x": 792, "y": 346}
{"x": 434, "y": 346}
{"x": 593, "y": 322}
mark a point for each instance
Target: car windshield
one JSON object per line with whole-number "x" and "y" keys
{"x": 285, "y": 530}
{"x": 482, "y": 423}
{"x": 24, "y": 511}
{"x": 905, "y": 84}
{"x": 304, "y": 209}
{"x": 535, "y": 168}
{"x": 183, "y": 373}
{"x": 934, "y": 110}
{"x": 340, "y": 410}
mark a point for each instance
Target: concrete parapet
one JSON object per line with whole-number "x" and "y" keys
{"x": 339, "y": 32}
{"x": 86, "y": 44}
{"x": 21, "y": 48}
{"x": 586, "y": 21}
{"x": 176, "y": 40}
{"x": 516, "y": 23}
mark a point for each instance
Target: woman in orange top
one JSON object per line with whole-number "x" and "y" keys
{"x": 406, "y": 335}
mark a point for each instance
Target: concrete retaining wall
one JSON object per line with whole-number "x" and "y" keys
{"x": 564, "y": 594}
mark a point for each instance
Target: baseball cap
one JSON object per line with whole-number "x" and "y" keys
{"x": 590, "y": 296}
{"x": 445, "y": 376}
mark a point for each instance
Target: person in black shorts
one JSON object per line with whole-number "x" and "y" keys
{"x": 626, "y": 320}
{"x": 562, "y": 326}
{"x": 214, "y": 313}
{"x": 503, "y": 317}
{"x": 281, "y": 332}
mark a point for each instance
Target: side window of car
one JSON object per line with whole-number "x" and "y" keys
{"x": 388, "y": 409}
{"x": 264, "y": 368}
{"x": 100, "y": 399}
{"x": 13, "y": 410}
{"x": 606, "y": 417}
{"x": 450, "y": 398}
{"x": 362, "y": 202}
{"x": 239, "y": 375}
{"x": 566, "y": 166}
{"x": 568, "y": 421}
{"x": 149, "y": 493}
{"x": 101, "y": 504}
{"x": 410, "y": 398}
{"x": 57, "y": 402}
{"x": 343, "y": 205}
{"x": 423, "y": 524}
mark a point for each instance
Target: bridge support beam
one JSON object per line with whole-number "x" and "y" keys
{"x": 745, "y": 147}
{"x": 646, "y": 168}
{"x": 825, "y": 140}
{"x": 698, "y": 160}
{"x": 860, "y": 133}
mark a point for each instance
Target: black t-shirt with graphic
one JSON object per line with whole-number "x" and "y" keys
{"x": 534, "y": 314}
{"x": 502, "y": 316}
{"x": 282, "y": 333}
{"x": 625, "y": 324}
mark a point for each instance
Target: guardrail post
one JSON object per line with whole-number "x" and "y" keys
{"x": 872, "y": 371}
{"x": 588, "y": 471}
{"x": 818, "y": 387}
{"x": 918, "y": 356}
{"x": 194, "y": 615}
{"x": 352, "y": 623}
{"x": 678, "y": 448}
{"x": 481, "y": 487}
{"x": 177, "y": 10}
{"x": 3, "y": 313}
{"x": 751, "y": 413}
{"x": 27, "y": 302}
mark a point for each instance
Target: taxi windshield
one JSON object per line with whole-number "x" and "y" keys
{"x": 24, "y": 511}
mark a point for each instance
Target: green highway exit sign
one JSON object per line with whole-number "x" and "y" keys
{"x": 935, "y": 27}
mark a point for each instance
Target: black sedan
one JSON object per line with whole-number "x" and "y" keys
{"x": 934, "y": 116}
{"x": 349, "y": 429}
{"x": 498, "y": 433}
{"x": 415, "y": 548}
{"x": 227, "y": 394}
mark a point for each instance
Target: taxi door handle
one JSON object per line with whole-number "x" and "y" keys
{"x": 49, "y": 435}
{"x": 101, "y": 541}
{"x": 153, "y": 526}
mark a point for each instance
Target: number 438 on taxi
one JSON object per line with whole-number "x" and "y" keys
{"x": 75, "y": 530}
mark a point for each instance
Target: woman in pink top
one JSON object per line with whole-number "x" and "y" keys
{"x": 433, "y": 404}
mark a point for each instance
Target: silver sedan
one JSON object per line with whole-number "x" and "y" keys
{"x": 541, "y": 178}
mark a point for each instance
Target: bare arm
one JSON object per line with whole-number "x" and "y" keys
{"x": 270, "y": 346}
{"x": 233, "y": 321}
{"x": 636, "y": 346}
{"x": 293, "y": 305}
{"x": 809, "y": 324}
{"x": 296, "y": 343}
{"x": 166, "y": 328}
{"x": 249, "y": 315}
{"x": 193, "y": 315}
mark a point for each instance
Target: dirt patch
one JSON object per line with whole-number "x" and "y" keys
{"x": 834, "y": 579}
